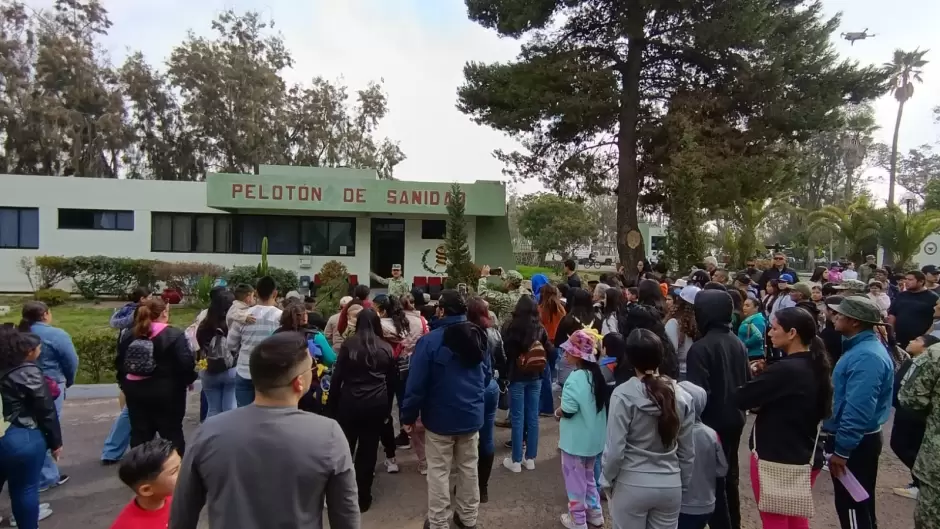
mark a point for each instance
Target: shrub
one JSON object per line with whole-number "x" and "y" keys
{"x": 50, "y": 270}
{"x": 52, "y": 296}
{"x": 286, "y": 280}
{"x": 97, "y": 350}
{"x": 186, "y": 276}
{"x": 332, "y": 270}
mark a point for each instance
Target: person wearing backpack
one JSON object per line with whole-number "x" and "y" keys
{"x": 528, "y": 348}
{"x": 295, "y": 318}
{"x": 154, "y": 367}
{"x": 218, "y": 378}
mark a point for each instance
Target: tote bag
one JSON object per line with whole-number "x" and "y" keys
{"x": 786, "y": 489}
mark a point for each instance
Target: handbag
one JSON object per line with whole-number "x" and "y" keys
{"x": 784, "y": 488}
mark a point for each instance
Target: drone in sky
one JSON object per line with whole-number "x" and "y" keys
{"x": 852, "y": 36}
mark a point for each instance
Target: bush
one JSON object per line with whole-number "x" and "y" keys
{"x": 286, "y": 280}
{"x": 52, "y": 296}
{"x": 333, "y": 270}
{"x": 188, "y": 277}
{"x": 50, "y": 270}
{"x": 97, "y": 350}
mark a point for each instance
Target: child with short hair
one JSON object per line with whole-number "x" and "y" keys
{"x": 698, "y": 502}
{"x": 239, "y": 311}
{"x": 150, "y": 470}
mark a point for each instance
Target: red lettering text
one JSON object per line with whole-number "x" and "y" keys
{"x": 261, "y": 193}
{"x": 290, "y": 192}
{"x": 277, "y": 192}
{"x": 361, "y": 195}
{"x": 416, "y": 197}
{"x": 303, "y": 193}
{"x": 403, "y": 199}
{"x": 348, "y": 194}
{"x": 236, "y": 189}
{"x": 390, "y": 197}
{"x": 316, "y": 193}
{"x": 250, "y": 191}
{"x": 435, "y": 198}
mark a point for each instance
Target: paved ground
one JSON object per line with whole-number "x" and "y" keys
{"x": 529, "y": 500}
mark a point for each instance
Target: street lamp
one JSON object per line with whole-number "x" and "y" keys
{"x": 909, "y": 200}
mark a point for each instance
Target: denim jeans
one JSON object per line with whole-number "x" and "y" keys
{"x": 490, "y": 398}
{"x": 119, "y": 438}
{"x": 524, "y": 410}
{"x": 219, "y": 389}
{"x": 244, "y": 391}
{"x": 22, "y": 451}
{"x": 50, "y": 471}
{"x": 203, "y": 406}
{"x": 546, "y": 400}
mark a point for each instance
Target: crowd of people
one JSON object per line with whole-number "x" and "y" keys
{"x": 650, "y": 378}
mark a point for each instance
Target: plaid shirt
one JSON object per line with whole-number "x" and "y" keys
{"x": 244, "y": 337}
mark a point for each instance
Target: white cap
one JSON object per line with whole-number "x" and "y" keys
{"x": 681, "y": 283}
{"x": 688, "y": 294}
{"x": 293, "y": 294}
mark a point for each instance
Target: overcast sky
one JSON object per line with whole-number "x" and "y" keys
{"x": 419, "y": 48}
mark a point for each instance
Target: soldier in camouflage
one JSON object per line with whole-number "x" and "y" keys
{"x": 502, "y": 303}
{"x": 921, "y": 392}
{"x": 397, "y": 286}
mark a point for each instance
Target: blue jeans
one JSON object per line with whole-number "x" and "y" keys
{"x": 244, "y": 391}
{"x": 524, "y": 410}
{"x": 693, "y": 521}
{"x": 546, "y": 400}
{"x": 22, "y": 452}
{"x": 597, "y": 470}
{"x": 50, "y": 471}
{"x": 490, "y": 398}
{"x": 219, "y": 390}
{"x": 119, "y": 438}
{"x": 203, "y": 406}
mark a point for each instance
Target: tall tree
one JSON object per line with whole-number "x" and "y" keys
{"x": 555, "y": 224}
{"x": 460, "y": 267}
{"x": 902, "y": 234}
{"x": 595, "y": 75}
{"x": 856, "y": 225}
{"x": 905, "y": 69}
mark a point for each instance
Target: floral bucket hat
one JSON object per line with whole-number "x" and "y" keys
{"x": 581, "y": 344}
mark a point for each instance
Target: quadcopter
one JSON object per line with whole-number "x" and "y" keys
{"x": 852, "y": 36}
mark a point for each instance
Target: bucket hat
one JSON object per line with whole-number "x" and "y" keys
{"x": 860, "y": 308}
{"x": 581, "y": 345}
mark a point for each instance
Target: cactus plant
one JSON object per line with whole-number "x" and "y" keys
{"x": 263, "y": 266}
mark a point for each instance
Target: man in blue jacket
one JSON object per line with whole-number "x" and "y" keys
{"x": 863, "y": 383}
{"x": 446, "y": 382}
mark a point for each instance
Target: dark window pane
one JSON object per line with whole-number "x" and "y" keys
{"x": 105, "y": 220}
{"x": 223, "y": 234}
{"x": 205, "y": 232}
{"x": 282, "y": 235}
{"x": 182, "y": 233}
{"x": 161, "y": 232}
{"x": 9, "y": 228}
{"x": 433, "y": 229}
{"x": 29, "y": 228}
{"x": 252, "y": 231}
{"x": 342, "y": 237}
{"x": 125, "y": 220}
{"x": 314, "y": 236}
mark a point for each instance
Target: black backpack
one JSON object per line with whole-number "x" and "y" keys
{"x": 138, "y": 360}
{"x": 219, "y": 358}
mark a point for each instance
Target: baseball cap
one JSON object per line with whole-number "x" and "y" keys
{"x": 743, "y": 278}
{"x": 803, "y": 288}
{"x": 786, "y": 278}
{"x": 396, "y": 267}
{"x": 688, "y": 294}
{"x": 930, "y": 269}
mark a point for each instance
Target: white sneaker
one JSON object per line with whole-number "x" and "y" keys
{"x": 909, "y": 492}
{"x": 44, "y": 512}
{"x": 391, "y": 466}
{"x": 596, "y": 521}
{"x": 529, "y": 464}
{"x": 568, "y": 522}
{"x": 513, "y": 467}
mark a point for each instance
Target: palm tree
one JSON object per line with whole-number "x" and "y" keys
{"x": 747, "y": 220}
{"x": 906, "y": 68}
{"x": 856, "y": 224}
{"x": 903, "y": 234}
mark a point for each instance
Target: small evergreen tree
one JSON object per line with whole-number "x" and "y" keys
{"x": 460, "y": 267}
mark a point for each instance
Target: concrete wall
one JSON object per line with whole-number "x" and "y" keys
{"x": 143, "y": 197}
{"x": 929, "y": 253}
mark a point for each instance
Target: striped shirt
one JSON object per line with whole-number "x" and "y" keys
{"x": 244, "y": 337}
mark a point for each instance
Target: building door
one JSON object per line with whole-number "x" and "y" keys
{"x": 388, "y": 246}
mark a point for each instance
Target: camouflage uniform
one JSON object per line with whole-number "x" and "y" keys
{"x": 397, "y": 286}
{"x": 502, "y": 303}
{"x": 922, "y": 393}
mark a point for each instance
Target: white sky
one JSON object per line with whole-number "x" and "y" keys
{"x": 419, "y": 48}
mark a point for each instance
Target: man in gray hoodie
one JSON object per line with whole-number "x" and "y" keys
{"x": 698, "y": 501}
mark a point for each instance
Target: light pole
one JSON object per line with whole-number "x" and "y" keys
{"x": 909, "y": 201}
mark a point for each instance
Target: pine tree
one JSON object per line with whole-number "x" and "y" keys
{"x": 460, "y": 268}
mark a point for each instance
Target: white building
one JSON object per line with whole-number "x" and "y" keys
{"x": 310, "y": 216}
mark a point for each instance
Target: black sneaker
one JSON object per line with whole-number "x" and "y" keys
{"x": 110, "y": 462}
{"x": 63, "y": 478}
{"x": 403, "y": 441}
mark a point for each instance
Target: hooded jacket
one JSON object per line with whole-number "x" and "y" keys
{"x": 710, "y": 462}
{"x": 753, "y": 332}
{"x": 634, "y": 453}
{"x": 717, "y": 362}
{"x": 538, "y": 281}
{"x": 446, "y": 381}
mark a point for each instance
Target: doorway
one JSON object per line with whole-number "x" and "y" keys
{"x": 387, "y": 248}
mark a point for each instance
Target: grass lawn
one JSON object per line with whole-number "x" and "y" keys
{"x": 78, "y": 317}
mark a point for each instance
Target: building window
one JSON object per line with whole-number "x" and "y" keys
{"x": 19, "y": 228}
{"x": 95, "y": 219}
{"x": 174, "y": 232}
{"x": 433, "y": 229}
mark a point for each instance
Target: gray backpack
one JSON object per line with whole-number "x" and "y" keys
{"x": 138, "y": 360}
{"x": 218, "y": 357}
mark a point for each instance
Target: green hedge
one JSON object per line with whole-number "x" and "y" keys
{"x": 97, "y": 349}
{"x": 286, "y": 279}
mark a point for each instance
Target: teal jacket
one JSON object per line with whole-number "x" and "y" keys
{"x": 752, "y": 332}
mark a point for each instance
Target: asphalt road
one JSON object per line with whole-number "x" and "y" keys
{"x": 532, "y": 499}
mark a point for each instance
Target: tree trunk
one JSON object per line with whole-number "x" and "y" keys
{"x": 628, "y": 188}
{"x": 894, "y": 153}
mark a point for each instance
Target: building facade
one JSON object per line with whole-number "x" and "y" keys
{"x": 309, "y": 215}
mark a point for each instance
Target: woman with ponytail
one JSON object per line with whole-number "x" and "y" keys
{"x": 649, "y": 453}
{"x": 154, "y": 366}
{"x": 791, "y": 396}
